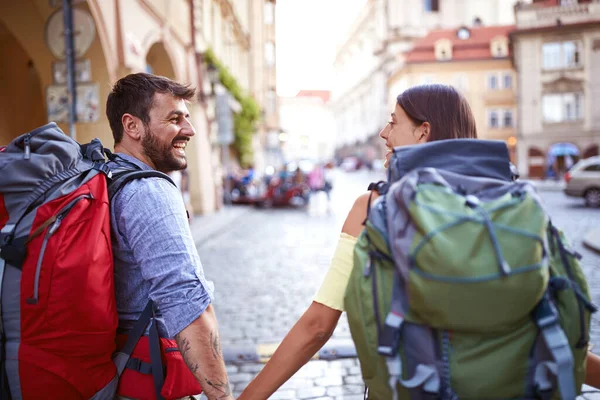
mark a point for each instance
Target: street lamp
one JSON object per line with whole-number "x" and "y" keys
{"x": 213, "y": 74}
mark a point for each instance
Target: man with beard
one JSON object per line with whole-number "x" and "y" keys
{"x": 155, "y": 255}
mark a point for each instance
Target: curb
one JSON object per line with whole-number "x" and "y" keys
{"x": 545, "y": 186}
{"x": 261, "y": 353}
{"x": 206, "y": 227}
{"x": 592, "y": 240}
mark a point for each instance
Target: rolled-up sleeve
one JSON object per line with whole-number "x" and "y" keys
{"x": 154, "y": 221}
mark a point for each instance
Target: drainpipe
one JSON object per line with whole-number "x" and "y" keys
{"x": 70, "y": 61}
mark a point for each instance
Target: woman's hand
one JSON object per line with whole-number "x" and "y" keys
{"x": 592, "y": 370}
{"x": 310, "y": 333}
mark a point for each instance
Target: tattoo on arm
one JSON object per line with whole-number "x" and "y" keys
{"x": 220, "y": 386}
{"x": 215, "y": 345}
{"x": 185, "y": 347}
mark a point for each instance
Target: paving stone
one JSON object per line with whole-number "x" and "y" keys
{"x": 351, "y": 397}
{"x": 231, "y": 369}
{"x": 353, "y": 380}
{"x": 354, "y": 370}
{"x": 240, "y": 377}
{"x": 335, "y": 391}
{"x": 310, "y": 393}
{"x": 297, "y": 383}
{"x": 283, "y": 395}
{"x": 251, "y": 368}
{"x": 329, "y": 381}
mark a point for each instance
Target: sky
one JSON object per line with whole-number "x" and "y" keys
{"x": 308, "y": 32}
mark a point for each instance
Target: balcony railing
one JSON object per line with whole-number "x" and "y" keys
{"x": 539, "y": 15}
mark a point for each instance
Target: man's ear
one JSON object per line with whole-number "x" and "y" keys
{"x": 132, "y": 126}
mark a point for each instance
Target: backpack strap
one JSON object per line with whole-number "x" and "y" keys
{"x": 120, "y": 179}
{"x": 425, "y": 382}
{"x": 547, "y": 319}
{"x": 122, "y": 359}
{"x": 381, "y": 188}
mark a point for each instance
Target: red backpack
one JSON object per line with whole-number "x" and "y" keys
{"x": 59, "y": 317}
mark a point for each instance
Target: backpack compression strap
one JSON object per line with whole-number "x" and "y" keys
{"x": 120, "y": 179}
{"x": 426, "y": 377}
{"x": 122, "y": 358}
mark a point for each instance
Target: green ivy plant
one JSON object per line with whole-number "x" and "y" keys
{"x": 244, "y": 122}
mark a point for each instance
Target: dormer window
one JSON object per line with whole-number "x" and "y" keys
{"x": 463, "y": 33}
{"x": 499, "y": 47}
{"x": 443, "y": 50}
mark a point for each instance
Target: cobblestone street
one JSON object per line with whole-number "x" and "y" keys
{"x": 267, "y": 265}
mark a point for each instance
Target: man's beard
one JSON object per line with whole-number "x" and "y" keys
{"x": 161, "y": 154}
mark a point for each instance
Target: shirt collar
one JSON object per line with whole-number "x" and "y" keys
{"x": 135, "y": 161}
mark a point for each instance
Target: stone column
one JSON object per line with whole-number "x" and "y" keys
{"x": 200, "y": 169}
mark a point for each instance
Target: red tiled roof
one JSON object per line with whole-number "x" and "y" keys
{"x": 476, "y": 47}
{"x": 325, "y": 95}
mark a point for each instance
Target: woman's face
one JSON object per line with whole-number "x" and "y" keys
{"x": 401, "y": 131}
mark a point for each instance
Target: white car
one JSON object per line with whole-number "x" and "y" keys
{"x": 583, "y": 180}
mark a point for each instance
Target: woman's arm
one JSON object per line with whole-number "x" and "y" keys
{"x": 592, "y": 370}
{"x": 315, "y": 326}
{"x": 309, "y": 334}
{"x": 353, "y": 225}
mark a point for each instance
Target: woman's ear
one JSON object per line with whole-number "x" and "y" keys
{"x": 425, "y": 130}
{"x": 131, "y": 126}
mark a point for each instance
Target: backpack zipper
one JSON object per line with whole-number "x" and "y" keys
{"x": 27, "y": 145}
{"x": 51, "y": 231}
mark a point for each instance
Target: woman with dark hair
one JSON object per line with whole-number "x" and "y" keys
{"x": 422, "y": 114}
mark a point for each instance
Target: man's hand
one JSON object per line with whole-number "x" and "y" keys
{"x": 200, "y": 347}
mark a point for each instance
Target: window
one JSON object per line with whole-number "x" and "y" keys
{"x": 443, "y": 50}
{"x": 507, "y": 81}
{"x": 432, "y": 5}
{"x": 559, "y": 55}
{"x": 508, "y": 119}
{"x": 563, "y": 107}
{"x": 270, "y": 54}
{"x": 493, "y": 82}
{"x": 493, "y": 119}
{"x": 269, "y": 11}
{"x": 271, "y": 101}
{"x": 463, "y": 33}
{"x": 594, "y": 167}
{"x": 499, "y": 47}
{"x": 461, "y": 82}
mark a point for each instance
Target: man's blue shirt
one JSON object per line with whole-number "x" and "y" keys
{"x": 155, "y": 255}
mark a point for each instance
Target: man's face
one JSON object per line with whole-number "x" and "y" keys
{"x": 167, "y": 134}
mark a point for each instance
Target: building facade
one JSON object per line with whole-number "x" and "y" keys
{"x": 308, "y": 126}
{"x": 557, "y": 57}
{"x": 164, "y": 37}
{"x": 476, "y": 61}
{"x": 374, "y": 48}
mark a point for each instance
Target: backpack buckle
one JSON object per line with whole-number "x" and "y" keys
{"x": 545, "y": 314}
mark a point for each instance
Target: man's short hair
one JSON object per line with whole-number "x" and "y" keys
{"x": 134, "y": 95}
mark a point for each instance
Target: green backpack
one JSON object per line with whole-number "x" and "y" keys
{"x": 461, "y": 285}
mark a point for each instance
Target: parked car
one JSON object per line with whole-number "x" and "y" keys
{"x": 583, "y": 180}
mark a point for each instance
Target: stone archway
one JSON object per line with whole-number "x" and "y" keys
{"x": 591, "y": 151}
{"x": 22, "y": 106}
{"x": 536, "y": 162}
{"x": 158, "y": 61}
{"x": 31, "y": 75}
